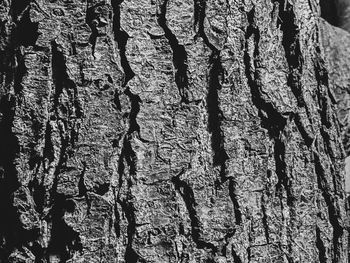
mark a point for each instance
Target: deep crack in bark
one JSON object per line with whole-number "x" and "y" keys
{"x": 12, "y": 68}
{"x": 127, "y": 153}
{"x": 187, "y": 195}
{"x": 291, "y": 45}
{"x": 320, "y": 246}
{"x": 215, "y": 114}
{"x": 63, "y": 246}
{"x": 179, "y": 54}
{"x": 271, "y": 119}
{"x": 92, "y": 21}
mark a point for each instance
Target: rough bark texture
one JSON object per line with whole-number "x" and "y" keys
{"x": 172, "y": 131}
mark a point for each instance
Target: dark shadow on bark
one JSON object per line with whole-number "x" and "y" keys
{"x": 64, "y": 240}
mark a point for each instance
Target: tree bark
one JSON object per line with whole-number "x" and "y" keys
{"x": 172, "y": 131}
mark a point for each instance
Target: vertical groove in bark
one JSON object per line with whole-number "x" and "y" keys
{"x": 187, "y": 195}
{"x": 93, "y": 23}
{"x": 264, "y": 219}
{"x": 62, "y": 83}
{"x": 9, "y": 148}
{"x": 329, "y": 185}
{"x": 127, "y": 153}
{"x": 215, "y": 114}
{"x": 121, "y": 37}
{"x": 333, "y": 210}
{"x": 291, "y": 45}
{"x": 12, "y": 69}
{"x": 234, "y": 200}
{"x": 64, "y": 239}
{"x": 179, "y": 54}
{"x": 82, "y": 189}
{"x": 26, "y": 31}
{"x": 331, "y": 198}
{"x": 306, "y": 135}
{"x": 236, "y": 258}
{"x": 320, "y": 246}
{"x": 273, "y": 121}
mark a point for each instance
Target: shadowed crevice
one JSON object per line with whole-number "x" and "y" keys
{"x": 265, "y": 219}
{"x": 215, "y": 114}
{"x": 216, "y": 75}
{"x": 236, "y": 258}
{"x": 92, "y": 20}
{"x": 320, "y": 246}
{"x": 332, "y": 205}
{"x": 187, "y": 195}
{"x": 65, "y": 241}
{"x": 234, "y": 200}
{"x": 9, "y": 148}
{"x": 179, "y": 55}
{"x": 291, "y": 44}
{"x": 21, "y": 33}
{"x": 272, "y": 120}
{"x": 121, "y": 37}
{"x": 62, "y": 82}
{"x": 26, "y": 32}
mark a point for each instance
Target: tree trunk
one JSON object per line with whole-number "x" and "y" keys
{"x": 172, "y": 131}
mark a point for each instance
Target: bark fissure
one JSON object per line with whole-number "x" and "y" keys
{"x": 12, "y": 70}
{"x": 271, "y": 118}
{"x": 9, "y": 149}
{"x": 130, "y": 254}
{"x": 129, "y": 156}
{"x": 333, "y": 209}
{"x": 26, "y": 31}
{"x": 291, "y": 45}
{"x": 187, "y": 195}
{"x": 92, "y": 21}
{"x": 64, "y": 241}
{"x": 273, "y": 121}
{"x": 64, "y": 115}
{"x": 82, "y": 189}
{"x": 121, "y": 37}
{"x": 330, "y": 196}
{"x": 264, "y": 219}
{"x": 305, "y": 134}
{"x": 320, "y": 246}
{"x": 135, "y": 101}
{"x": 234, "y": 200}
{"x": 215, "y": 114}
{"x": 62, "y": 83}
{"x": 179, "y": 54}
{"x": 236, "y": 258}
{"x": 127, "y": 153}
